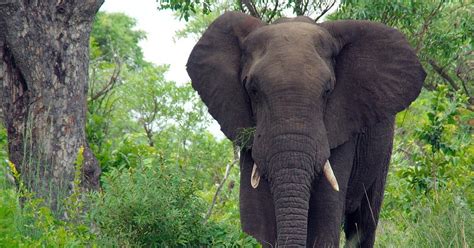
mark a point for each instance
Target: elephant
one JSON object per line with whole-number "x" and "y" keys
{"x": 321, "y": 99}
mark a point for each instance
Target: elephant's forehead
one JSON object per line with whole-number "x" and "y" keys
{"x": 290, "y": 34}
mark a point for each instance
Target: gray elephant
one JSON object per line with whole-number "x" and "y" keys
{"x": 322, "y": 99}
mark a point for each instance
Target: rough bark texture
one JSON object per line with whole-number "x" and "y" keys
{"x": 44, "y": 58}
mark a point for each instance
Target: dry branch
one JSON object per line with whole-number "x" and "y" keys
{"x": 325, "y": 10}
{"x": 111, "y": 84}
{"x": 221, "y": 184}
{"x": 443, "y": 74}
{"x": 251, "y": 8}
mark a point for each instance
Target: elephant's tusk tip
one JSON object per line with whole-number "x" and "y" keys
{"x": 255, "y": 177}
{"x": 329, "y": 174}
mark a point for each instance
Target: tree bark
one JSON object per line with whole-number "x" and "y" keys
{"x": 44, "y": 55}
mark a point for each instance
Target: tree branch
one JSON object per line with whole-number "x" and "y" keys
{"x": 110, "y": 85}
{"x": 450, "y": 80}
{"x": 426, "y": 25}
{"x": 443, "y": 74}
{"x": 465, "y": 66}
{"x": 263, "y": 10}
{"x": 273, "y": 13}
{"x": 149, "y": 134}
{"x": 251, "y": 7}
{"x": 306, "y": 6}
{"x": 323, "y": 12}
{"x": 219, "y": 187}
{"x": 241, "y": 6}
{"x": 466, "y": 90}
{"x": 298, "y": 8}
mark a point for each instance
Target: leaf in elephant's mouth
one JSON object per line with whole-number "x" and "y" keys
{"x": 245, "y": 137}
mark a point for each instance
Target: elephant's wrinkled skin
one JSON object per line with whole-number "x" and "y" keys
{"x": 314, "y": 92}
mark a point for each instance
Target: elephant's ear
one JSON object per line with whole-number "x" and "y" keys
{"x": 214, "y": 67}
{"x": 377, "y": 75}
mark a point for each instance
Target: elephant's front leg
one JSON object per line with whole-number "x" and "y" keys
{"x": 326, "y": 204}
{"x": 373, "y": 152}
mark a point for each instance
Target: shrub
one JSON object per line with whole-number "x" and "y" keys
{"x": 429, "y": 194}
{"x": 156, "y": 206}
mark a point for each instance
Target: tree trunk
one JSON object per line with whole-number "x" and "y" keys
{"x": 44, "y": 55}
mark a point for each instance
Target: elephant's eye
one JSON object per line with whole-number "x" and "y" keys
{"x": 244, "y": 82}
{"x": 253, "y": 90}
{"x": 250, "y": 87}
{"x": 327, "y": 92}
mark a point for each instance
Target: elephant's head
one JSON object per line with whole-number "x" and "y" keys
{"x": 306, "y": 88}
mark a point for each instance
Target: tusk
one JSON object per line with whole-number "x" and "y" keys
{"x": 329, "y": 174}
{"x": 255, "y": 177}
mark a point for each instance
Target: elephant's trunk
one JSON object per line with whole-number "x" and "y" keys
{"x": 291, "y": 179}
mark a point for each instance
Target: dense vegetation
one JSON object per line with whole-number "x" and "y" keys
{"x": 162, "y": 168}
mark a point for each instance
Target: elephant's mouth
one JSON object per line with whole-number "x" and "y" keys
{"x": 327, "y": 171}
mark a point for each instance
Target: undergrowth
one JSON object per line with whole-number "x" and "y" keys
{"x": 26, "y": 221}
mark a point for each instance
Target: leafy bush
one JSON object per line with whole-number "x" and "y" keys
{"x": 443, "y": 148}
{"x": 156, "y": 205}
{"x": 429, "y": 194}
{"x": 434, "y": 150}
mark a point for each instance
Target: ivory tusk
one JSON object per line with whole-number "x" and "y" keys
{"x": 255, "y": 177}
{"x": 329, "y": 174}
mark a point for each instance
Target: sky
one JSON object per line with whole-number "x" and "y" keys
{"x": 160, "y": 26}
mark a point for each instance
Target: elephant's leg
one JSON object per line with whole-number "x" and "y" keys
{"x": 360, "y": 226}
{"x": 327, "y": 205}
{"x": 373, "y": 150}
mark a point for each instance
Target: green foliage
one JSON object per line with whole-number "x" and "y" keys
{"x": 265, "y": 10}
{"x": 113, "y": 49}
{"x": 26, "y": 221}
{"x": 444, "y": 222}
{"x": 150, "y": 137}
{"x": 156, "y": 205}
{"x": 436, "y": 150}
{"x": 139, "y": 208}
{"x": 444, "y": 148}
{"x": 156, "y": 104}
{"x": 199, "y": 22}
{"x": 245, "y": 137}
{"x": 187, "y": 8}
{"x": 113, "y": 37}
{"x": 3, "y": 143}
{"x": 429, "y": 193}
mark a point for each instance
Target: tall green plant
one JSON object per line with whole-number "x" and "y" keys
{"x": 441, "y": 147}
{"x": 26, "y": 221}
{"x": 3, "y": 143}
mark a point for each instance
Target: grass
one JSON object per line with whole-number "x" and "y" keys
{"x": 446, "y": 222}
